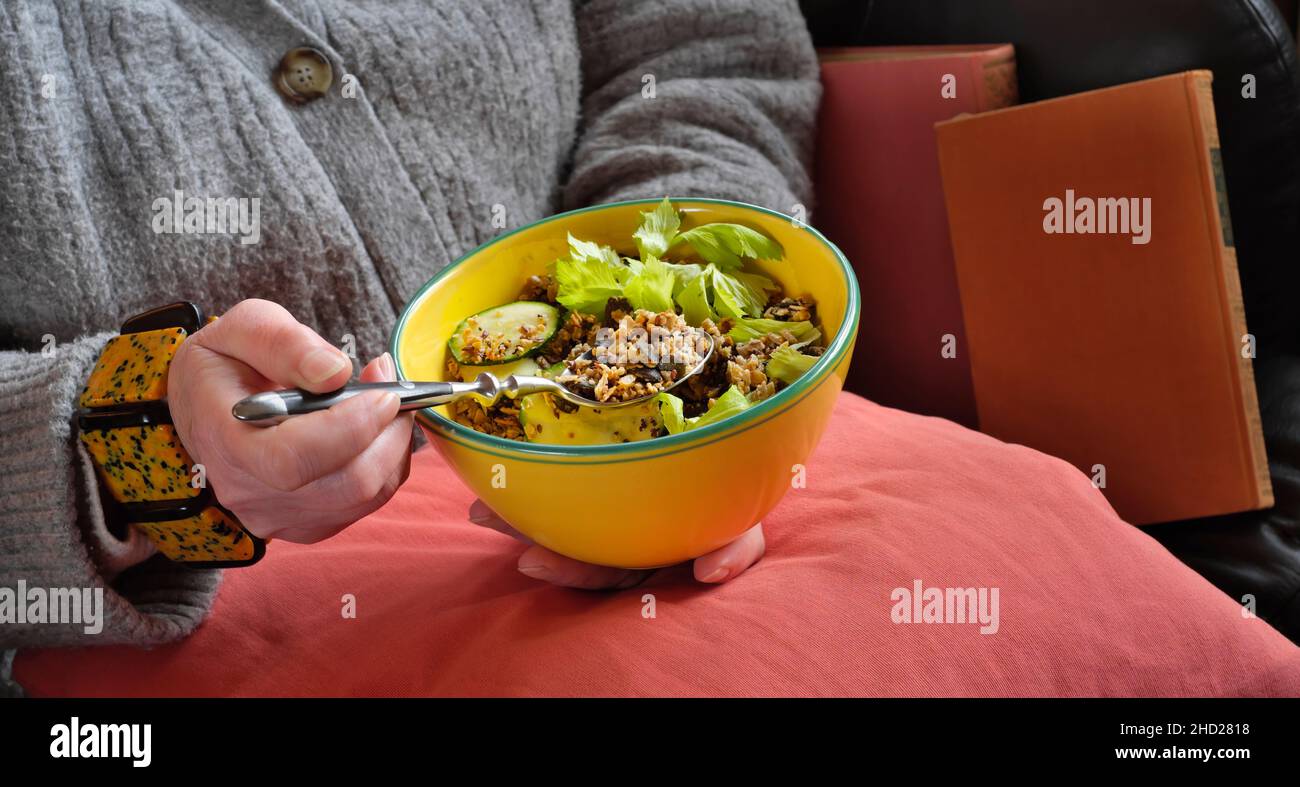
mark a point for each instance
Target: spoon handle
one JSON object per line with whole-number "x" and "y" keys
{"x": 273, "y": 407}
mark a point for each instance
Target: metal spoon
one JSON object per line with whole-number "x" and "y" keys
{"x": 273, "y": 407}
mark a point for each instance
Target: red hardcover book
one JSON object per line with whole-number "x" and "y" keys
{"x": 880, "y": 199}
{"x": 1102, "y": 303}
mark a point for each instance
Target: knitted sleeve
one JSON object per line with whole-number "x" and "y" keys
{"x": 53, "y": 538}
{"x": 713, "y": 98}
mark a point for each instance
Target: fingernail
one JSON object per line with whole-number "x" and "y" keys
{"x": 479, "y": 513}
{"x": 388, "y": 401}
{"x": 536, "y": 571}
{"x": 720, "y": 573}
{"x": 388, "y": 367}
{"x": 321, "y": 364}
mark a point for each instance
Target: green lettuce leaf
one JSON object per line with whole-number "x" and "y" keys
{"x": 670, "y": 410}
{"x": 787, "y": 365}
{"x": 694, "y": 300}
{"x": 729, "y": 245}
{"x": 686, "y": 272}
{"x": 707, "y": 292}
{"x": 758, "y": 285}
{"x": 587, "y": 251}
{"x": 590, "y": 276}
{"x": 746, "y": 329}
{"x": 727, "y": 405}
{"x": 733, "y": 297}
{"x": 586, "y": 286}
{"x": 658, "y": 230}
{"x": 651, "y": 287}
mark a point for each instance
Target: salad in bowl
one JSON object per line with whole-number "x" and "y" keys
{"x": 614, "y": 302}
{"x": 613, "y": 327}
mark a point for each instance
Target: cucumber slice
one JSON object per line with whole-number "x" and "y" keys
{"x": 504, "y": 333}
{"x": 502, "y": 370}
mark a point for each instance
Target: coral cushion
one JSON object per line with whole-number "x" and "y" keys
{"x": 1087, "y": 605}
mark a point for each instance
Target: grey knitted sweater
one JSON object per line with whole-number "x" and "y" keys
{"x": 464, "y": 115}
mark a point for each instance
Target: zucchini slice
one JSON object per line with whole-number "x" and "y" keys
{"x": 523, "y": 366}
{"x": 504, "y": 333}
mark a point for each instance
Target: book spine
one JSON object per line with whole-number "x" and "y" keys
{"x": 1202, "y": 96}
{"x": 998, "y": 87}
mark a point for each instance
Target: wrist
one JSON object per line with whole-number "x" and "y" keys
{"x": 149, "y": 477}
{"x": 113, "y": 544}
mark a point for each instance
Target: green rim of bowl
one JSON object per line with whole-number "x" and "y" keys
{"x": 658, "y": 446}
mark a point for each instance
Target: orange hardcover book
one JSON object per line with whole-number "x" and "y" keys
{"x": 1099, "y": 287}
{"x": 880, "y": 199}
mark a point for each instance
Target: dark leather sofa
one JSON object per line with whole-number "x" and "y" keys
{"x": 1067, "y": 46}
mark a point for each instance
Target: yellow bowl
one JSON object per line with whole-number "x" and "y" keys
{"x": 655, "y": 502}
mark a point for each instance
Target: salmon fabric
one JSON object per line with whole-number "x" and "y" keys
{"x": 1088, "y": 605}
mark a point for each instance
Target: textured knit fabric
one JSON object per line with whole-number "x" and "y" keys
{"x": 465, "y": 119}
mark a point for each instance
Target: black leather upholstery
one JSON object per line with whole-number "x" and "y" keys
{"x": 1258, "y": 553}
{"x": 1067, "y": 46}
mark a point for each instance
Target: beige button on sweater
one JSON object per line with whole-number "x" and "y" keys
{"x": 459, "y": 113}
